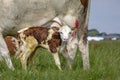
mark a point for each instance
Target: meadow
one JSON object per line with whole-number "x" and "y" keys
{"x": 104, "y": 61}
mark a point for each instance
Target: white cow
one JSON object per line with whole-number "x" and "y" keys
{"x": 17, "y": 14}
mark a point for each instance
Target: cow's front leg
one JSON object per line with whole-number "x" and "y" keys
{"x": 57, "y": 60}
{"x": 4, "y": 53}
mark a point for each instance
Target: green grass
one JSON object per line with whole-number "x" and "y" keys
{"x": 104, "y": 61}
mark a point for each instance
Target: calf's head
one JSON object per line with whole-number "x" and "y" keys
{"x": 65, "y": 33}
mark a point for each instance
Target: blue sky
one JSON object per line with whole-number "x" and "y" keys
{"x": 105, "y": 16}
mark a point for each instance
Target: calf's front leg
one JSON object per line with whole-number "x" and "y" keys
{"x": 57, "y": 60}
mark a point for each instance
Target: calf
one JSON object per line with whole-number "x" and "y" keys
{"x": 69, "y": 46}
{"x": 13, "y": 45}
{"x": 50, "y": 38}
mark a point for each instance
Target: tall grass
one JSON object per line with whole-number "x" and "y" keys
{"x": 104, "y": 61}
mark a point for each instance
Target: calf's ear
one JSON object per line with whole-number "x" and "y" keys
{"x": 74, "y": 29}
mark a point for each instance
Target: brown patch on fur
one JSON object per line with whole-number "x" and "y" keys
{"x": 10, "y": 44}
{"x": 84, "y": 3}
{"x": 40, "y": 33}
{"x": 55, "y": 42}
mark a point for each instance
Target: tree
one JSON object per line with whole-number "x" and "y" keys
{"x": 103, "y": 34}
{"x": 93, "y": 32}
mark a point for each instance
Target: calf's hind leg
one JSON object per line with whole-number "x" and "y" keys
{"x": 28, "y": 47}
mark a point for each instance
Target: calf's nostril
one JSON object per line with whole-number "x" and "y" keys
{"x": 65, "y": 39}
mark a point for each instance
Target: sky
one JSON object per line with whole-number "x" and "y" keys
{"x": 105, "y": 16}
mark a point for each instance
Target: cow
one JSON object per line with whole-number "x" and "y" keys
{"x": 18, "y": 14}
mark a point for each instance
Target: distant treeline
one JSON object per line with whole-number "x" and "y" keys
{"x": 95, "y": 32}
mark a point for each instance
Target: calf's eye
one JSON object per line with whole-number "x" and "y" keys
{"x": 60, "y": 32}
{"x": 70, "y": 32}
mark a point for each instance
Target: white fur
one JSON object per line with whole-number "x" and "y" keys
{"x": 65, "y": 33}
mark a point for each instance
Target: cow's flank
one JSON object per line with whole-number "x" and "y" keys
{"x": 54, "y": 42}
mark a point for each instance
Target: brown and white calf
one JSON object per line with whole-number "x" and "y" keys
{"x": 50, "y": 38}
{"x": 13, "y": 45}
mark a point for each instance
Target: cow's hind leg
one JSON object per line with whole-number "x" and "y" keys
{"x": 4, "y": 53}
{"x": 83, "y": 47}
